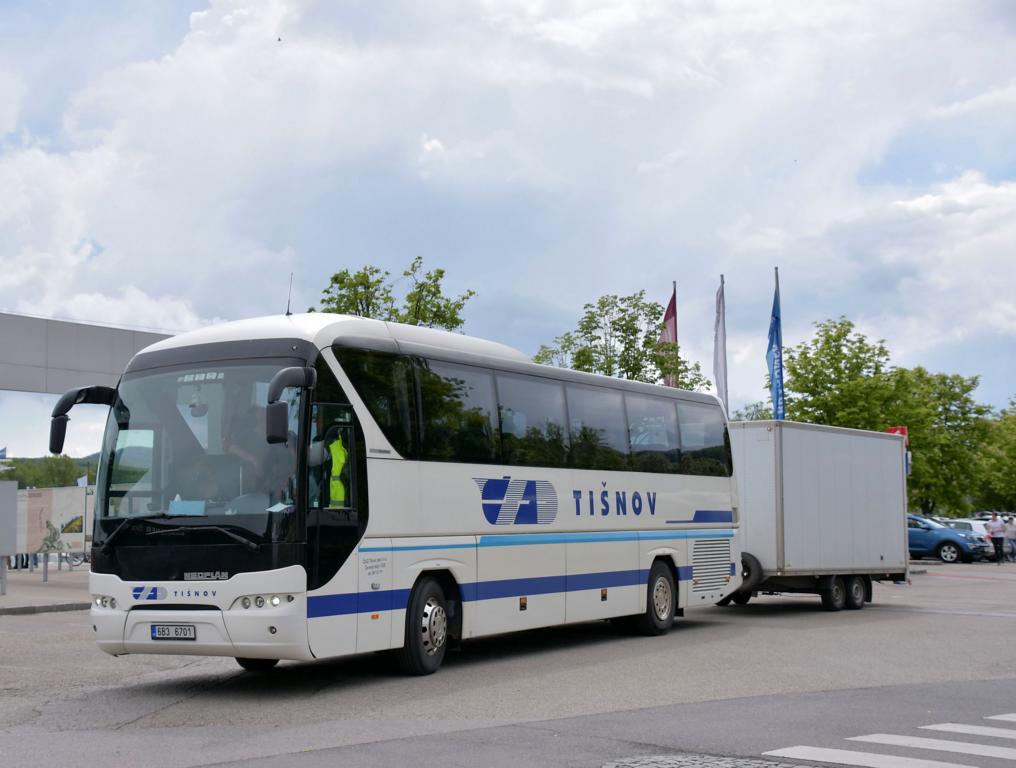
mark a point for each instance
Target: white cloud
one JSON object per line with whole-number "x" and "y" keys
{"x": 544, "y": 153}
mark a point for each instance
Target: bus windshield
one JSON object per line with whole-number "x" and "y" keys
{"x": 190, "y": 443}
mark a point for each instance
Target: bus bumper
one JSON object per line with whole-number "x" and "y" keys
{"x": 216, "y": 624}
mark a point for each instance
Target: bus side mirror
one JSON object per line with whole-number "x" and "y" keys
{"x": 277, "y": 422}
{"x": 57, "y": 432}
{"x": 58, "y": 425}
{"x": 277, "y": 415}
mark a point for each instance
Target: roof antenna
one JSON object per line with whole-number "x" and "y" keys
{"x": 289, "y": 299}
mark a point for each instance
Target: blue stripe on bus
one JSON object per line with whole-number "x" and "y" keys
{"x": 529, "y": 539}
{"x": 397, "y": 599}
{"x": 708, "y": 516}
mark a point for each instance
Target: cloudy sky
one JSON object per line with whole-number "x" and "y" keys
{"x": 167, "y": 165}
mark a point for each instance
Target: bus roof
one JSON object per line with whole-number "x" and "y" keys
{"x": 325, "y": 329}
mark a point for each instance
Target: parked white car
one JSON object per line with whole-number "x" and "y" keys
{"x": 977, "y": 527}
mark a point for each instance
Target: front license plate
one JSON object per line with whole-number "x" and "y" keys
{"x": 174, "y": 632}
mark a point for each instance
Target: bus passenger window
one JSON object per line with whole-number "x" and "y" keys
{"x": 652, "y": 425}
{"x": 533, "y": 431}
{"x": 705, "y": 446}
{"x": 384, "y": 383}
{"x": 596, "y": 424}
{"x": 458, "y": 421}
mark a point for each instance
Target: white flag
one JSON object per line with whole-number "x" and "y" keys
{"x": 720, "y": 347}
{"x": 83, "y": 481}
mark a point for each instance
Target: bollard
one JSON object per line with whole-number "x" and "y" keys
{"x": 59, "y": 561}
{"x": 45, "y": 568}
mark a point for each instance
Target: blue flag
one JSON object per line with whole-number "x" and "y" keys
{"x": 774, "y": 356}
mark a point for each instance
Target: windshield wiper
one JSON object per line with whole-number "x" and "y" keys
{"x": 116, "y": 531}
{"x": 249, "y": 543}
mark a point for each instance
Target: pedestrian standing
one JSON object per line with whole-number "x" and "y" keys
{"x": 995, "y": 529}
{"x": 1010, "y": 533}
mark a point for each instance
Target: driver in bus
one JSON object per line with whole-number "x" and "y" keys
{"x": 329, "y": 458}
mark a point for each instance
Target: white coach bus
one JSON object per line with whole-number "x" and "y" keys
{"x": 316, "y": 485}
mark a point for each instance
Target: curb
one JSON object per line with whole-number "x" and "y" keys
{"x": 22, "y": 610}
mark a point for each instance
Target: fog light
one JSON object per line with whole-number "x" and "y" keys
{"x": 98, "y": 602}
{"x": 245, "y": 602}
{"x": 259, "y": 601}
{"x": 105, "y": 602}
{"x": 112, "y": 602}
{"x": 275, "y": 600}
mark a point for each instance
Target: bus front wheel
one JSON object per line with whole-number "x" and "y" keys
{"x": 426, "y": 629}
{"x": 661, "y": 601}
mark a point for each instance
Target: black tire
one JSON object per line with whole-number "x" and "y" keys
{"x": 751, "y": 572}
{"x": 426, "y": 630}
{"x": 949, "y": 552}
{"x": 661, "y": 601}
{"x": 856, "y": 591}
{"x": 725, "y": 601}
{"x": 835, "y": 598}
{"x": 741, "y": 598}
{"x": 256, "y": 665}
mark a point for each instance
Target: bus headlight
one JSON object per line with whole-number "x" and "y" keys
{"x": 261, "y": 601}
{"x": 104, "y": 601}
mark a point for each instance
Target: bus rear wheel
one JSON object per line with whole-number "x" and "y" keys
{"x": 661, "y": 601}
{"x": 256, "y": 665}
{"x": 426, "y": 629}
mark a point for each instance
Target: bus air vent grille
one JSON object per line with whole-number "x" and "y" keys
{"x": 710, "y": 565}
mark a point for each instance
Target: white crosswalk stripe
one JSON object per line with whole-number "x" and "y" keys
{"x": 940, "y": 745}
{"x": 864, "y": 759}
{"x": 973, "y": 730}
{"x": 972, "y": 749}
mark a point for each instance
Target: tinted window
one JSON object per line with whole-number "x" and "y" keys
{"x": 596, "y": 424}
{"x": 705, "y": 449}
{"x": 532, "y": 421}
{"x": 383, "y": 382}
{"x": 652, "y": 426}
{"x": 458, "y": 418}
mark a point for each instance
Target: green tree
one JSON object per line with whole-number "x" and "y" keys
{"x": 760, "y": 410}
{"x": 842, "y": 379}
{"x": 619, "y": 336}
{"x": 47, "y": 472}
{"x": 370, "y": 292}
{"x": 998, "y": 462}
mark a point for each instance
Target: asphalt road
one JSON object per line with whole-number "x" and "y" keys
{"x": 735, "y": 681}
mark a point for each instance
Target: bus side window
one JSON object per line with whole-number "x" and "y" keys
{"x": 652, "y": 426}
{"x": 705, "y": 446}
{"x": 458, "y": 420}
{"x": 533, "y": 429}
{"x": 599, "y": 438}
{"x": 329, "y": 456}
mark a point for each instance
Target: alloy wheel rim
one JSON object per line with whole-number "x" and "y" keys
{"x": 434, "y": 625}
{"x": 662, "y": 596}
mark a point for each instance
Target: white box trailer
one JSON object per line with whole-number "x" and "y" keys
{"x": 823, "y": 510}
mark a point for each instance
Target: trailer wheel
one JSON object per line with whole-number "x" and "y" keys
{"x": 661, "y": 600}
{"x": 855, "y": 592}
{"x": 741, "y": 598}
{"x": 835, "y": 598}
{"x": 751, "y": 572}
{"x": 426, "y": 629}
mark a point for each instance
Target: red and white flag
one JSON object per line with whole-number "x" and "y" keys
{"x": 669, "y": 333}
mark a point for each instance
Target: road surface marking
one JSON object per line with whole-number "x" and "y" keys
{"x": 973, "y": 730}
{"x": 940, "y": 745}
{"x": 1011, "y": 717}
{"x": 849, "y": 757}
